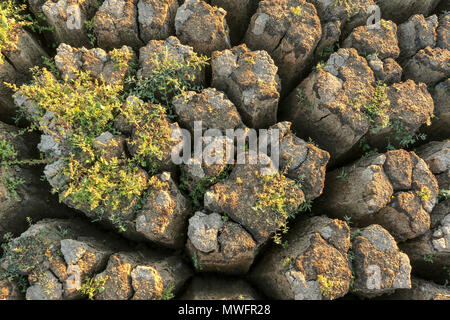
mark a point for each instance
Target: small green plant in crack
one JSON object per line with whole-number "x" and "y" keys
{"x": 428, "y": 258}
{"x": 93, "y": 286}
{"x": 424, "y": 194}
{"x": 169, "y": 78}
{"x": 167, "y": 293}
{"x": 197, "y": 190}
{"x": 442, "y": 195}
{"x": 403, "y": 136}
{"x": 197, "y": 266}
{"x": 326, "y": 52}
{"x": 302, "y": 99}
{"x": 89, "y": 25}
{"x": 343, "y": 176}
{"x": 320, "y": 65}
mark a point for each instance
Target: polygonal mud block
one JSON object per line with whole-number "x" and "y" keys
{"x": 219, "y": 246}
{"x": 116, "y": 24}
{"x": 156, "y": 19}
{"x": 378, "y": 264}
{"x": 437, "y": 156}
{"x": 250, "y": 80}
{"x": 322, "y": 107}
{"x": 169, "y": 49}
{"x": 143, "y": 276}
{"x": 245, "y": 197}
{"x": 22, "y": 193}
{"x": 238, "y": 16}
{"x": 111, "y": 67}
{"x": 68, "y": 18}
{"x": 210, "y": 106}
{"x": 430, "y": 66}
{"x": 219, "y": 288}
{"x": 430, "y": 253}
{"x": 395, "y": 190}
{"x": 164, "y": 214}
{"x": 421, "y": 290}
{"x": 401, "y": 10}
{"x": 289, "y": 30}
{"x": 302, "y": 161}
{"x": 202, "y": 26}
{"x": 313, "y": 266}
{"x": 409, "y": 107}
{"x": 382, "y": 41}
{"x": 416, "y": 34}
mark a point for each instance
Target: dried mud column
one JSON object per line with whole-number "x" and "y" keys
{"x": 219, "y": 245}
{"x": 302, "y": 161}
{"x": 250, "y": 80}
{"x": 22, "y": 193}
{"x": 110, "y": 67}
{"x": 378, "y": 264}
{"x": 437, "y": 156}
{"x": 313, "y": 266}
{"x": 219, "y": 288}
{"x": 326, "y": 105}
{"x": 238, "y": 16}
{"x": 164, "y": 214}
{"x": 380, "y": 46}
{"x": 403, "y": 109}
{"x": 395, "y": 190}
{"x": 143, "y": 275}
{"x": 156, "y": 19}
{"x": 430, "y": 253}
{"x": 289, "y": 30}
{"x": 69, "y": 18}
{"x": 210, "y": 106}
{"x": 163, "y": 52}
{"x": 116, "y": 24}
{"x": 415, "y": 34}
{"x": 202, "y": 26}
